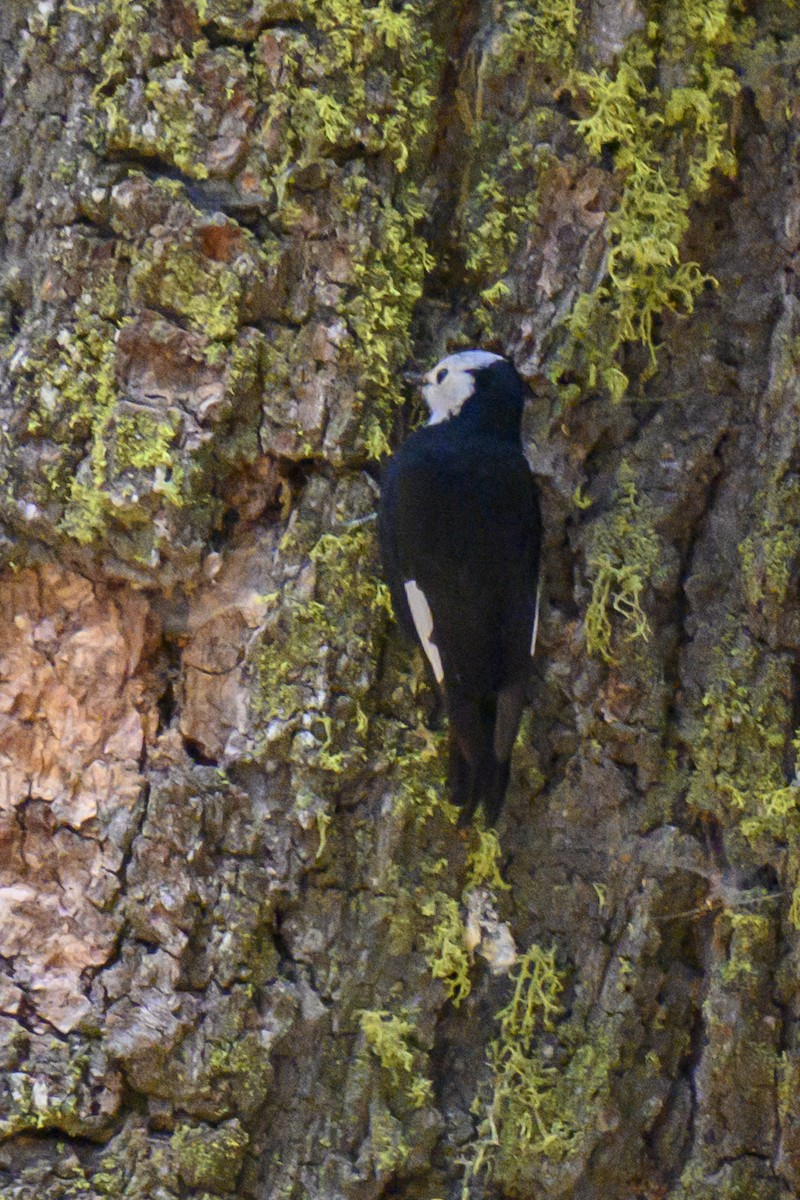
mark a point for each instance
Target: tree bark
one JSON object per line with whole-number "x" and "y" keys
{"x": 244, "y": 949}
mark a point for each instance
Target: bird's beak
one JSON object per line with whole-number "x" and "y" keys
{"x": 415, "y": 378}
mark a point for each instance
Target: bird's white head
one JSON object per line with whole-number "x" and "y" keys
{"x": 452, "y": 381}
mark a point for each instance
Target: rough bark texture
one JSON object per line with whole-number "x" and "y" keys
{"x": 244, "y": 951}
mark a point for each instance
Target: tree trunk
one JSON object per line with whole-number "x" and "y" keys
{"x": 244, "y": 949}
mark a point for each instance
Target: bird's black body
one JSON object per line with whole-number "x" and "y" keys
{"x": 460, "y": 518}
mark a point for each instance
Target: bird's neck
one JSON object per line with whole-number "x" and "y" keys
{"x": 497, "y": 415}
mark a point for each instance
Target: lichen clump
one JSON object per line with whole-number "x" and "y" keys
{"x": 623, "y": 555}
{"x": 359, "y": 88}
{"x": 318, "y": 125}
{"x": 770, "y": 553}
{"x": 741, "y": 752}
{"x": 549, "y": 1081}
{"x": 499, "y": 210}
{"x": 667, "y": 142}
{"x": 311, "y": 687}
{"x": 445, "y": 945}
{"x": 520, "y": 1118}
{"x": 392, "y": 1039}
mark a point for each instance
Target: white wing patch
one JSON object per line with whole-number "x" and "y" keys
{"x": 423, "y": 623}
{"x": 536, "y": 617}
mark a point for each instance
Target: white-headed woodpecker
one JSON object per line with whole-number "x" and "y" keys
{"x": 460, "y": 536}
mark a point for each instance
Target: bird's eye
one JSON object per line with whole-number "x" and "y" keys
{"x": 441, "y": 375}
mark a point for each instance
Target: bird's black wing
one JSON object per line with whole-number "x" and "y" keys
{"x": 387, "y": 540}
{"x": 469, "y": 536}
{"x": 520, "y": 622}
{"x": 460, "y": 532}
{"x": 461, "y": 523}
{"x": 486, "y": 717}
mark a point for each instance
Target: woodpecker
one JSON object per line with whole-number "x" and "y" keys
{"x": 460, "y": 536}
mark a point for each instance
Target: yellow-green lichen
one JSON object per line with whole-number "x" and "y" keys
{"x": 74, "y": 398}
{"x": 497, "y": 210}
{"x": 769, "y": 554}
{"x": 417, "y": 757}
{"x": 111, "y": 462}
{"x": 389, "y": 1147}
{"x": 142, "y": 441}
{"x": 495, "y": 219}
{"x": 169, "y": 110}
{"x": 129, "y": 44}
{"x": 483, "y": 861}
{"x": 329, "y": 101}
{"x": 238, "y": 1069}
{"x": 93, "y": 348}
{"x": 519, "y": 1117}
{"x": 208, "y": 1158}
{"x": 312, "y": 687}
{"x": 48, "y": 1089}
{"x": 750, "y": 934}
{"x": 392, "y": 1039}
{"x": 544, "y": 33}
{"x": 533, "y": 1110}
{"x": 176, "y": 278}
{"x": 622, "y": 557}
{"x": 389, "y": 280}
{"x": 668, "y": 140}
{"x": 445, "y": 945}
{"x": 360, "y": 85}
{"x": 741, "y": 750}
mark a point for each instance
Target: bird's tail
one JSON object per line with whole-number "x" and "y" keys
{"x": 471, "y": 784}
{"x": 476, "y": 775}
